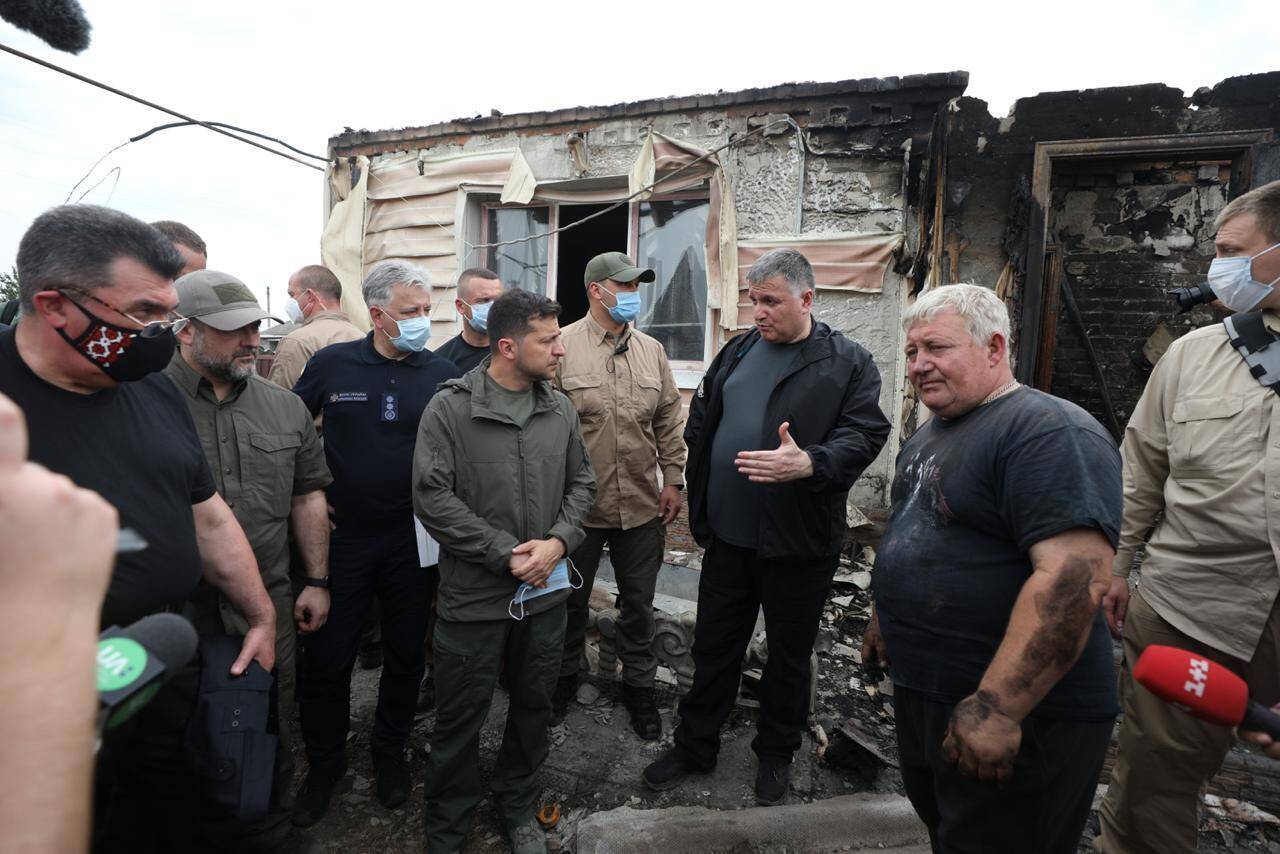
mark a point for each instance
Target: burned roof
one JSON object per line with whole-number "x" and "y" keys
{"x": 943, "y": 85}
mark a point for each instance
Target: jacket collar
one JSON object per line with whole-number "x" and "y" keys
{"x": 481, "y": 406}
{"x": 190, "y": 381}
{"x": 327, "y": 314}
{"x": 600, "y": 335}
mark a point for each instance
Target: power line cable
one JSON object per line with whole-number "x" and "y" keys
{"x": 153, "y": 105}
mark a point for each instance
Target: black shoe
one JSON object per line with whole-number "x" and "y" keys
{"x": 566, "y": 687}
{"x": 314, "y": 795}
{"x": 670, "y": 770}
{"x": 643, "y": 707}
{"x": 772, "y": 779}
{"x": 392, "y": 776}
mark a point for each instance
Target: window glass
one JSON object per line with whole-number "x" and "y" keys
{"x": 523, "y": 265}
{"x": 672, "y": 241}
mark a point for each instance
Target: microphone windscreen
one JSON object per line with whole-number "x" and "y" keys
{"x": 59, "y": 23}
{"x": 168, "y": 637}
{"x": 1203, "y": 688}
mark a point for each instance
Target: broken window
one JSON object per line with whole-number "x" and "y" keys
{"x": 671, "y": 239}
{"x": 522, "y": 265}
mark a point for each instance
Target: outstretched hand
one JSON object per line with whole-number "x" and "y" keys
{"x": 788, "y": 462}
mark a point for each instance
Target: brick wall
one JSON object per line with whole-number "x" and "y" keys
{"x": 1129, "y": 232}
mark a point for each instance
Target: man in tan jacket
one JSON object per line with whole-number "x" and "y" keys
{"x": 621, "y": 384}
{"x": 315, "y": 295}
{"x": 1201, "y": 455}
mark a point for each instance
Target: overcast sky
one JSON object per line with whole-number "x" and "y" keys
{"x": 303, "y": 71}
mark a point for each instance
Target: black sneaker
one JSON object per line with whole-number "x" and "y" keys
{"x": 643, "y": 706}
{"x": 313, "y": 797}
{"x": 670, "y": 770}
{"x": 391, "y": 773}
{"x": 772, "y": 779}
{"x": 566, "y": 688}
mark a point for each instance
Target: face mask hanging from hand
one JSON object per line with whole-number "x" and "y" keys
{"x": 557, "y": 580}
{"x": 123, "y": 354}
{"x": 414, "y": 333}
{"x": 1232, "y": 282}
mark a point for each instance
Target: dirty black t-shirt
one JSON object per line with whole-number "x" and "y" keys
{"x": 971, "y": 496}
{"x": 136, "y": 446}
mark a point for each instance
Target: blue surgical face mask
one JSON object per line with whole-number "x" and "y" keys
{"x": 479, "y": 315}
{"x": 1232, "y": 282}
{"x": 414, "y": 332}
{"x": 557, "y": 580}
{"x": 626, "y": 307}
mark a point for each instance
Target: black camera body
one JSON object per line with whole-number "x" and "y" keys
{"x": 1189, "y": 298}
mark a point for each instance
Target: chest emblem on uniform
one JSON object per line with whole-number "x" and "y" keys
{"x": 349, "y": 397}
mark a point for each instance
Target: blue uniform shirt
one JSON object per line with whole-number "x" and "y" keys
{"x": 371, "y": 406}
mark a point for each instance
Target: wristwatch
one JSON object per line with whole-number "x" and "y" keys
{"x": 317, "y": 582}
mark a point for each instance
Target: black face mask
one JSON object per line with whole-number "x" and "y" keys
{"x": 123, "y": 354}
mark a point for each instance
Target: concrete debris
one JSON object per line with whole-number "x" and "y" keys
{"x": 1239, "y": 812}
{"x": 845, "y": 823}
{"x": 588, "y": 694}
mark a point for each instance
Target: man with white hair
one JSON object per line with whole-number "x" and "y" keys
{"x": 783, "y": 423}
{"x": 372, "y": 393}
{"x": 988, "y": 586}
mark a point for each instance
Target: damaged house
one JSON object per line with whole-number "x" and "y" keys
{"x": 1080, "y": 208}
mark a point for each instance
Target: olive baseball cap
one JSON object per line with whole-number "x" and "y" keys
{"x": 616, "y": 266}
{"x": 219, "y": 300}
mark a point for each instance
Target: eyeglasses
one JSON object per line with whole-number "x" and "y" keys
{"x": 148, "y": 328}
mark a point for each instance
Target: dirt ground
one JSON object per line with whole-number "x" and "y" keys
{"x": 596, "y": 759}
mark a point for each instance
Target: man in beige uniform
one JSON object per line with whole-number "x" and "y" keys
{"x": 1203, "y": 447}
{"x": 620, "y": 382}
{"x": 315, "y": 297}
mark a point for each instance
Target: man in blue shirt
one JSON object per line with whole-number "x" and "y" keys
{"x": 372, "y": 393}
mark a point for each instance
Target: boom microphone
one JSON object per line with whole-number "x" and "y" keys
{"x": 133, "y": 663}
{"x": 58, "y": 23}
{"x": 1202, "y": 689}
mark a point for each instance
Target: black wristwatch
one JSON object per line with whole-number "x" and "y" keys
{"x": 317, "y": 582}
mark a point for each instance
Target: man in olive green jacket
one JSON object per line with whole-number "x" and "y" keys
{"x": 502, "y": 480}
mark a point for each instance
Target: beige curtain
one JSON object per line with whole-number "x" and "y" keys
{"x": 841, "y": 262}
{"x": 342, "y": 243}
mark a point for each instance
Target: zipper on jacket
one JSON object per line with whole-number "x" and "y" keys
{"x": 524, "y": 502}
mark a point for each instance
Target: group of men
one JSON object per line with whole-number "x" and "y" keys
{"x": 471, "y": 492}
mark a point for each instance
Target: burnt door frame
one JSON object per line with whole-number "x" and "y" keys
{"x": 1236, "y": 145}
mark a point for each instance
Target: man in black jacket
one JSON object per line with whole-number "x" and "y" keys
{"x": 772, "y": 521}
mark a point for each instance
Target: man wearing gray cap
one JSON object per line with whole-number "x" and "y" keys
{"x": 267, "y": 464}
{"x": 619, "y": 380}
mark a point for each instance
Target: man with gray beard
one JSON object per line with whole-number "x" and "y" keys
{"x": 268, "y": 465}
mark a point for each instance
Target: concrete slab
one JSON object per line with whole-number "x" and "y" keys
{"x": 848, "y": 823}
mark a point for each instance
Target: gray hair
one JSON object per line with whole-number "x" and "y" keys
{"x": 386, "y": 274}
{"x": 75, "y": 246}
{"x": 787, "y": 263}
{"x": 983, "y": 312}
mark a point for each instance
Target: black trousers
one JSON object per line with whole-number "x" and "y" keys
{"x": 636, "y": 555}
{"x": 733, "y": 587}
{"x": 364, "y": 564}
{"x": 1041, "y": 810}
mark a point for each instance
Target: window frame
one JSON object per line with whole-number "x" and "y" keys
{"x": 688, "y": 373}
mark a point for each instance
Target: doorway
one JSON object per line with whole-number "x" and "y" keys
{"x": 578, "y": 245}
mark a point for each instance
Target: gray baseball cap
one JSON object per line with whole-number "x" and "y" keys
{"x": 219, "y": 300}
{"x": 616, "y": 266}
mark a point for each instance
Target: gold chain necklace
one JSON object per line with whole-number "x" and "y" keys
{"x": 1001, "y": 392}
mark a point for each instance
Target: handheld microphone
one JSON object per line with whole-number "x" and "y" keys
{"x": 134, "y": 662}
{"x": 1202, "y": 689}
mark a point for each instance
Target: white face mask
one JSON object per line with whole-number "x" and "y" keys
{"x": 1232, "y": 282}
{"x": 293, "y": 310}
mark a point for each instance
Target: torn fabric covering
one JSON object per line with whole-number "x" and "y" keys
{"x": 342, "y": 243}
{"x": 414, "y": 209}
{"x": 842, "y": 261}
{"x": 661, "y": 155}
